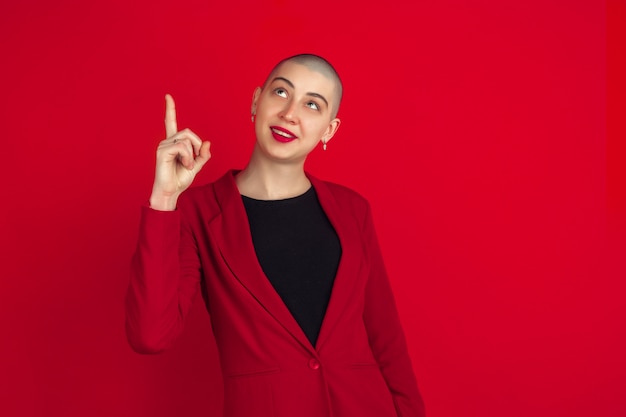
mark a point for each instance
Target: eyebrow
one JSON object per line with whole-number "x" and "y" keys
{"x": 321, "y": 97}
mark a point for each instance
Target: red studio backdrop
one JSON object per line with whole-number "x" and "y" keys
{"x": 478, "y": 131}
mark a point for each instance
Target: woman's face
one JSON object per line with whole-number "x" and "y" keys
{"x": 293, "y": 112}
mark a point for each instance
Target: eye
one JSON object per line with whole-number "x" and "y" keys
{"x": 312, "y": 105}
{"x": 280, "y": 92}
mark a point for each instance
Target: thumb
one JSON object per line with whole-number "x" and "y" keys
{"x": 203, "y": 156}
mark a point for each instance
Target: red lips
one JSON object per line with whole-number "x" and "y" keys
{"x": 282, "y": 134}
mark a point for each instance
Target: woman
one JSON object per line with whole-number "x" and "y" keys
{"x": 288, "y": 265}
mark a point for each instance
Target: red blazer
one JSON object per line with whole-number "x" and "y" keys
{"x": 359, "y": 367}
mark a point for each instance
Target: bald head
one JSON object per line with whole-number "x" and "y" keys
{"x": 318, "y": 64}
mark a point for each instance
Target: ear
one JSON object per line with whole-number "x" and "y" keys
{"x": 255, "y": 97}
{"x": 331, "y": 130}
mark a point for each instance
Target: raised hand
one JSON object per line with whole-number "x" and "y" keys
{"x": 179, "y": 158}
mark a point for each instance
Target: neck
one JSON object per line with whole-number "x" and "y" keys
{"x": 269, "y": 180}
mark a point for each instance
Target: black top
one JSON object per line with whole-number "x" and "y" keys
{"x": 299, "y": 252}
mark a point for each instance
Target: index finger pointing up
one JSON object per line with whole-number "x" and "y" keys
{"x": 170, "y": 117}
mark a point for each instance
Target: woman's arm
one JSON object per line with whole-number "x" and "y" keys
{"x": 165, "y": 276}
{"x": 165, "y": 270}
{"x": 385, "y": 333}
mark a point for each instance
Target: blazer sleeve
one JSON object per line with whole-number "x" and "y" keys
{"x": 165, "y": 277}
{"x": 385, "y": 333}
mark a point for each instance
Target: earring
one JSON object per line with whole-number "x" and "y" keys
{"x": 252, "y": 117}
{"x": 324, "y": 143}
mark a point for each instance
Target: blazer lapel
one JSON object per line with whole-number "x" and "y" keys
{"x": 347, "y": 278}
{"x": 232, "y": 233}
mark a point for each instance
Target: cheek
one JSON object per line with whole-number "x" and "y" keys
{"x": 265, "y": 106}
{"x": 316, "y": 130}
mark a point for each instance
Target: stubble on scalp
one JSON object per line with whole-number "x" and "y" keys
{"x": 318, "y": 64}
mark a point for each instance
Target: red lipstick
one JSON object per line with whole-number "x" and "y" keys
{"x": 282, "y": 135}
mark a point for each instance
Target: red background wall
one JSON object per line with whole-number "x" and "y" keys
{"x": 478, "y": 130}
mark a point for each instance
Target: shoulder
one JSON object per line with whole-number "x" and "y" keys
{"x": 345, "y": 197}
{"x": 205, "y": 198}
{"x": 344, "y": 193}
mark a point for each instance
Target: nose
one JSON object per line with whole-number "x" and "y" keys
{"x": 289, "y": 112}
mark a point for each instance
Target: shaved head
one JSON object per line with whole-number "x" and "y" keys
{"x": 318, "y": 64}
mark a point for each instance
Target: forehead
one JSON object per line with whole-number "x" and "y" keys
{"x": 304, "y": 77}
